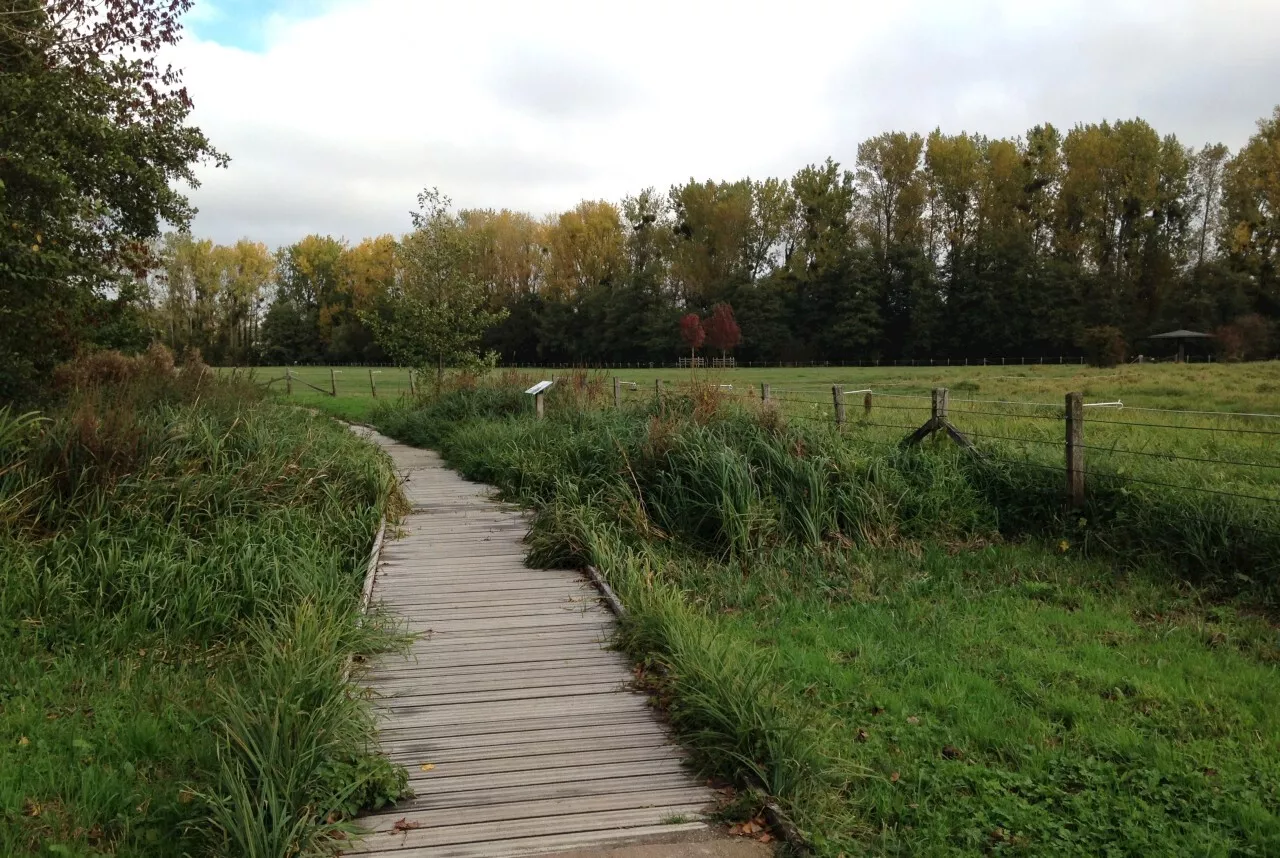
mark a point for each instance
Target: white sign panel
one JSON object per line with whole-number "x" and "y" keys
{"x": 540, "y": 386}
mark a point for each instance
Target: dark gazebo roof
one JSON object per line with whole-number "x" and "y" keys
{"x": 1181, "y": 334}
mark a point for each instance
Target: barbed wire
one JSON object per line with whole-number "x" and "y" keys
{"x": 1188, "y": 411}
{"x": 1111, "y": 476}
{"x": 1054, "y": 417}
{"x": 1172, "y": 426}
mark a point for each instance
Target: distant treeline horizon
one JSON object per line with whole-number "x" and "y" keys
{"x": 960, "y": 246}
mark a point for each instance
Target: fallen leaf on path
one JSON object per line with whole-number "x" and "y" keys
{"x": 403, "y": 824}
{"x": 426, "y": 767}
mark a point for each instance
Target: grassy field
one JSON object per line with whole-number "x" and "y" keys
{"x": 1165, "y": 432}
{"x": 1252, "y": 387}
{"x": 182, "y": 567}
{"x": 917, "y": 652}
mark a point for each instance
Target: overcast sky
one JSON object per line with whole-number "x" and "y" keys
{"x": 335, "y": 114}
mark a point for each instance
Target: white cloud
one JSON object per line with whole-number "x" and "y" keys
{"x": 343, "y": 116}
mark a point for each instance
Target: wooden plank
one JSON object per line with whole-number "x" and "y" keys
{"x": 543, "y": 762}
{"x": 548, "y": 735}
{"x": 502, "y": 599}
{"x": 416, "y": 756}
{"x": 564, "y": 774}
{"x": 434, "y": 801}
{"x": 483, "y": 832}
{"x": 412, "y": 701}
{"x": 543, "y": 844}
{"x": 534, "y": 673}
{"x": 419, "y": 683}
{"x": 538, "y": 808}
{"x": 503, "y": 659}
{"x": 494, "y": 730}
{"x": 462, "y": 713}
{"x": 505, "y": 626}
{"x": 444, "y": 648}
{"x": 507, "y": 651}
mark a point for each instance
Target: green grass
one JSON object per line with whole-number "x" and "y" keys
{"x": 916, "y": 652}
{"x": 990, "y": 404}
{"x": 1215, "y": 387}
{"x": 182, "y": 568}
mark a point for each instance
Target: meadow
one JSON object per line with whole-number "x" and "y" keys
{"x": 182, "y": 565}
{"x": 916, "y": 652}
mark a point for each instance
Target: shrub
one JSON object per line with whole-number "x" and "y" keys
{"x": 1103, "y": 345}
{"x": 1249, "y": 337}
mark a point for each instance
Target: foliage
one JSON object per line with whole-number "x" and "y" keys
{"x": 692, "y": 332}
{"x": 1103, "y": 345}
{"x": 1247, "y": 338}
{"x": 943, "y": 246}
{"x": 722, "y": 329}
{"x": 438, "y": 311}
{"x": 96, "y": 141}
{"x": 182, "y": 570}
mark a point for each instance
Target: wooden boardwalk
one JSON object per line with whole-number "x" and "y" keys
{"x": 517, "y": 726}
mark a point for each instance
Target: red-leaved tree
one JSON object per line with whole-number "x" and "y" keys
{"x": 723, "y": 332}
{"x": 691, "y": 332}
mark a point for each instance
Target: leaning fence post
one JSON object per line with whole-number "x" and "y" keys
{"x": 837, "y": 396}
{"x": 372, "y": 385}
{"x": 866, "y": 404}
{"x": 333, "y": 384}
{"x": 617, "y": 392}
{"x": 764, "y": 391}
{"x": 288, "y": 382}
{"x": 940, "y": 396}
{"x": 1075, "y": 450}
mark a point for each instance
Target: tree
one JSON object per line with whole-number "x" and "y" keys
{"x": 1208, "y": 167}
{"x": 438, "y": 311}
{"x": 722, "y": 330}
{"x": 1251, "y": 204}
{"x": 692, "y": 333}
{"x": 95, "y": 146}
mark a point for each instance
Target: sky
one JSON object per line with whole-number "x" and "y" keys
{"x": 336, "y": 113}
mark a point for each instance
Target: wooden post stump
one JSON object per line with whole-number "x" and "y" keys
{"x": 1075, "y": 450}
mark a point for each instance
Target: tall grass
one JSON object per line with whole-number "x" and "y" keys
{"x": 182, "y": 566}
{"x": 917, "y": 652}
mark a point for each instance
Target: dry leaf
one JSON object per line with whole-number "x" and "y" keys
{"x": 426, "y": 767}
{"x": 765, "y": 838}
{"x": 403, "y": 824}
{"x": 24, "y": 741}
{"x": 951, "y": 752}
{"x": 894, "y": 777}
{"x": 914, "y": 719}
{"x": 862, "y": 735}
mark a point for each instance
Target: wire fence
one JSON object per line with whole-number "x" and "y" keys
{"x": 1209, "y": 453}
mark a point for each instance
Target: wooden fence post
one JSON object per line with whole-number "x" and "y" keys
{"x": 538, "y": 406}
{"x": 617, "y": 392}
{"x": 373, "y": 385}
{"x": 657, "y": 389}
{"x": 940, "y": 397}
{"x": 764, "y": 391}
{"x": 288, "y": 382}
{"x": 1075, "y": 450}
{"x": 837, "y": 396}
{"x": 866, "y": 404}
{"x": 333, "y": 384}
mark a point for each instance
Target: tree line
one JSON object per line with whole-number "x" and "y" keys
{"x": 941, "y": 245}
